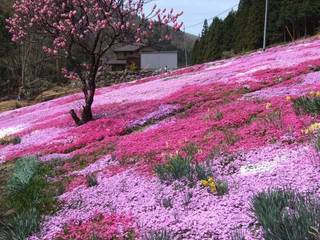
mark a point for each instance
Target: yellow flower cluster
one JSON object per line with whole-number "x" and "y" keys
{"x": 268, "y": 105}
{"x": 314, "y": 93}
{"x": 312, "y": 128}
{"x": 210, "y": 183}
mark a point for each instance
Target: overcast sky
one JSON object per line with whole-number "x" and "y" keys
{"x": 195, "y": 11}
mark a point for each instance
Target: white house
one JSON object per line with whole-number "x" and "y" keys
{"x": 158, "y": 60}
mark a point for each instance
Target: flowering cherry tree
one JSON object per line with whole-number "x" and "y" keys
{"x": 83, "y": 31}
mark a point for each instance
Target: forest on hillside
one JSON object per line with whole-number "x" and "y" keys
{"x": 242, "y": 30}
{"x": 25, "y": 70}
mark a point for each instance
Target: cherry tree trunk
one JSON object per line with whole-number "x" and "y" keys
{"x": 86, "y": 111}
{"x": 86, "y": 115}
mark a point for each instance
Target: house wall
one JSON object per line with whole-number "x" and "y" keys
{"x": 157, "y": 60}
{"x": 126, "y": 55}
{"x": 130, "y": 57}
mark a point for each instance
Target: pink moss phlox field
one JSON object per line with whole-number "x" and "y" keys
{"x": 239, "y": 113}
{"x": 111, "y": 226}
{"x": 205, "y": 215}
{"x": 133, "y": 102}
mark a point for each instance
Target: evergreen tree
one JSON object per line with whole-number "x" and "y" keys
{"x": 205, "y": 28}
{"x": 213, "y": 49}
{"x": 229, "y": 28}
{"x": 195, "y": 52}
{"x": 242, "y": 30}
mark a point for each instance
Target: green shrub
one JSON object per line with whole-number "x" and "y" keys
{"x": 92, "y": 180}
{"x": 181, "y": 167}
{"x": 21, "y": 225}
{"x": 222, "y": 187}
{"x": 28, "y": 187}
{"x": 285, "y": 215}
{"x": 306, "y": 104}
{"x": 23, "y": 172}
{"x": 158, "y": 235}
{"x": 177, "y": 168}
{"x": 30, "y": 195}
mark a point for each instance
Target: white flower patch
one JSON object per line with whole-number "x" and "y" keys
{"x": 11, "y": 130}
{"x": 219, "y": 64}
{"x": 265, "y": 166}
{"x": 94, "y": 167}
{"x": 55, "y": 156}
{"x": 251, "y": 71}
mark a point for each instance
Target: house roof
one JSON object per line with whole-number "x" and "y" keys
{"x": 128, "y": 48}
{"x": 117, "y": 62}
{"x": 155, "y": 52}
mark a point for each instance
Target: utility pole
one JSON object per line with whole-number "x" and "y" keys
{"x": 185, "y": 46}
{"x": 265, "y": 27}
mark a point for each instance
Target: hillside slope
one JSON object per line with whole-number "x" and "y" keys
{"x": 239, "y": 113}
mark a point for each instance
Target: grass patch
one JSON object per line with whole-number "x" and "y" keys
{"x": 181, "y": 167}
{"x": 23, "y": 171}
{"x": 178, "y": 167}
{"x": 12, "y": 104}
{"x": 27, "y": 186}
{"x": 286, "y": 215}
{"x": 28, "y": 195}
{"x": 307, "y": 105}
{"x": 21, "y": 225}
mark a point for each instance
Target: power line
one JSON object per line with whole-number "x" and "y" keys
{"x": 218, "y": 15}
